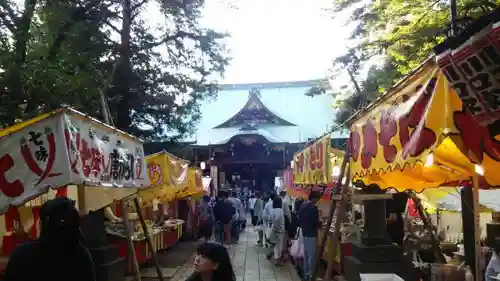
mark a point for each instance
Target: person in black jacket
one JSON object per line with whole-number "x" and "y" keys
{"x": 58, "y": 254}
{"x": 223, "y": 214}
{"x": 395, "y": 222}
{"x": 294, "y": 223}
{"x": 309, "y": 223}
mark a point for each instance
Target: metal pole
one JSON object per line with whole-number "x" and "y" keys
{"x": 477, "y": 226}
{"x": 454, "y": 16}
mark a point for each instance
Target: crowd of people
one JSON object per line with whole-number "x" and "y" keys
{"x": 272, "y": 216}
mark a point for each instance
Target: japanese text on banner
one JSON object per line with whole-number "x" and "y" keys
{"x": 311, "y": 164}
{"x": 33, "y": 159}
{"x": 472, "y": 69}
{"x": 101, "y": 156}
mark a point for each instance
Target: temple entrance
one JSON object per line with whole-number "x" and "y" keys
{"x": 257, "y": 176}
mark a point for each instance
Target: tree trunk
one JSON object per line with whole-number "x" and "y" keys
{"x": 15, "y": 72}
{"x": 353, "y": 80}
{"x": 119, "y": 89}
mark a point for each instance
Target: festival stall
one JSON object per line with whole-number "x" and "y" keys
{"x": 188, "y": 201}
{"x": 419, "y": 135}
{"x": 167, "y": 175}
{"x": 444, "y": 207}
{"x": 317, "y": 168}
{"x": 61, "y": 154}
{"x": 171, "y": 182}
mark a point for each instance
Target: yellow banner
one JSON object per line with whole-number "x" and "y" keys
{"x": 418, "y": 136}
{"x": 311, "y": 164}
{"x": 168, "y": 176}
{"x": 194, "y": 186}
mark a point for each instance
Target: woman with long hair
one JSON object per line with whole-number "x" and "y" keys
{"x": 212, "y": 263}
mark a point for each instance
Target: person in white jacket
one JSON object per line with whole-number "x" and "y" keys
{"x": 251, "y": 207}
{"x": 236, "y": 227}
{"x": 267, "y": 218}
{"x": 288, "y": 217}
{"x": 277, "y": 233}
{"x": 258, "y": 210}
{"x": 286, "y": 206}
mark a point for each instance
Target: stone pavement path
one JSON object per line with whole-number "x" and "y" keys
{"x": 250, "y": 263}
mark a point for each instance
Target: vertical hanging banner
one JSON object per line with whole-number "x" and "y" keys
{"x": 471, "y": 63}
{"x": 311, "y": 164}
{"x": 288, "y": 178}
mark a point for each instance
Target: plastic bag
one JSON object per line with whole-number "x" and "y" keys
{"x": 297, "y": 249}
{"x": 259, "y": 227}
{"x": 269, "y": 231}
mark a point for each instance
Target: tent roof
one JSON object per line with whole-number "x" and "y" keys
{"x": 394, "y": 142}
{"x": 448, "y": 199}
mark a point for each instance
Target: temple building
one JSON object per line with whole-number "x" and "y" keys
{"x": 250, "y": 132}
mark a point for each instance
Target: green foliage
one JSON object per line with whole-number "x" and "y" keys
{"x": 399, "y": 33}
{"x": 71, "y": 51}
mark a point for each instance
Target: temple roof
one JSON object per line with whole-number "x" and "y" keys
{"x": 296, "y": 117}
{"x": 254, "y": 109}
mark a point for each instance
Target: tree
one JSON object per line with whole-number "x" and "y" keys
{"x": 36, "y": 79}
{"x": 378, "y": 79}
{"x": 152, "y": 92}
{"x": 401, "y": 34}
{"x": 72, "y": 52}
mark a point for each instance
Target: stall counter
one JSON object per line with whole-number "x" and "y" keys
{"x": 162, "y": 239}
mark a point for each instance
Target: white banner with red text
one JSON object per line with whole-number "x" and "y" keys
{"x": 66, "y": 147}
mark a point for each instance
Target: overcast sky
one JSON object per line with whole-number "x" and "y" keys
{"x": 277, "y": 40}
{"x": 274, "y": 40}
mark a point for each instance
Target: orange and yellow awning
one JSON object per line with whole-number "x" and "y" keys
{"x": 419, "y": 136}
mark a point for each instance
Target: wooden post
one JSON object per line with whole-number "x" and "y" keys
{"x": 148, "y": 238}
{"x": 82, "y": 206}
{"x": 123, "y": 210}
{"x": 477, "y": 229}
{"x": 333, "y": 203}
{"x": 342, "y": 209}
{"x": 128, "y": 235}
